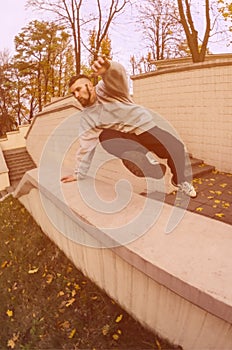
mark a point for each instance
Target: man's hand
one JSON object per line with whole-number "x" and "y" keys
{"x": 100, "y": 66}
{"x": 68, "y": 178}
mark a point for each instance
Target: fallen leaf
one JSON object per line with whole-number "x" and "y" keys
{"x": 217, "y": 201}
{"x": 105, "y": 329}
{"x": 9, "y": 313}
{"x": 73, "y": 293}
{"x": 11, "y": 344}
{"x": 69, "y": 269}
{"x": 199, "y": 209}
{"x": 226, "y": 205}
{"x": 49, "y": 278}
{"x": 218, "y": 192}
{"x": 70, "y": 302}
{"x": 60, "y": 294}
{"x": 223, "y": 185}
{"x": 76, "y": 286}
{"x": 36, "y": 269}
{"x": 119, "y": 318}
{"x": 71, "y": 335}
{"x": 94, "y": 298}
{"x": 4, "y": 264}
{"x": 219, "y": 215}
{"x": 115, "y": 336}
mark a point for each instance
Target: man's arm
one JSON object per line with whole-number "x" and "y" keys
{"x": 88, "y": 142}
{"x": 114, "y": 78}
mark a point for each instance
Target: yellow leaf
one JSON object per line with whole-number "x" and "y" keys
{"x": 74, "y": 293}
{"x": 115, "y": 336}
{"x": 218, "y": 192}
{"x": 70, "y": 302}
{"x": 226, "y": 205}
{"x": 217, "y": 201}
{"x": 223, "y": 185}
{"x": 105, "y": 329}
{"x": 199, "y": 209}
{"x": 49, "y": 278}
{"x": 71, "y": 335}
{"x": 9, "y": 313}
{"x": 119, "y": 331}
{"x": 94, "y": 298}
{"x": 219, "y": 215}
{"x": 69, "y": 269}
{"x": 76, "y": 286}
{"x": 4, "y": 264}
{"x": 119, "y": 318}
{"x": 60, "y": 294}
{"x": 36, "y": 269}
{"x": 11, "y": 343}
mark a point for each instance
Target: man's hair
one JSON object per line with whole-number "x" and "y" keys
{"x": 76, "y": 77}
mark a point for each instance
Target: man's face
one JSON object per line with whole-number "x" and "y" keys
{"x": 83, "y": 91}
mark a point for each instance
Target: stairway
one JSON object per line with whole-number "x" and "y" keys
{"x": 199, "y": 168}
{"x": 18, "y": 162}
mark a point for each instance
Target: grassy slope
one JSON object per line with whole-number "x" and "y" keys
{"x": 46, "y": 303}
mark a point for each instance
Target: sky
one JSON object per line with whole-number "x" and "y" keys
{"x": 13, "y": 17}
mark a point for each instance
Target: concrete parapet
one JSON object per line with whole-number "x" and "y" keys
{"x": 4, "y": 176}
{"x": 14, "y": 139}
{"x": 178, "y": 284}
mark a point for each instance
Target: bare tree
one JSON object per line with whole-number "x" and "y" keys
{"x": 105, "y": 19}
{"x": 198, "y": 52}
{"x": 161, "y": 26}
{"x": 67, "y": 12}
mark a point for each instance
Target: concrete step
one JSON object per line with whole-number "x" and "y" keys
{"x": 199, "y": 168}
{"x": 196, "y": 161}
{"x": 18, "y": 162}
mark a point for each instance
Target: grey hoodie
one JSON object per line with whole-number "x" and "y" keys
{"x": 114, "y": 109}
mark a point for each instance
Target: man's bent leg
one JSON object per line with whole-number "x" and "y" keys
{"x": 133, "y": 154}
{"x": 166, "y": 146}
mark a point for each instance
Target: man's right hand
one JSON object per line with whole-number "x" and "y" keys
{"x": 100, "y": 66}
{"x": 68, "y": 178}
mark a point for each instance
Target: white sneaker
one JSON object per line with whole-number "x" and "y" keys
{"x": 188, "y": 189}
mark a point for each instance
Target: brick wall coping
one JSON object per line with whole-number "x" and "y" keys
{"x": 185, "y": 64}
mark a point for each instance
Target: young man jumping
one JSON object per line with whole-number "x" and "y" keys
{"x": 124, "y": 129}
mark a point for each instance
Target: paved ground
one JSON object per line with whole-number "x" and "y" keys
{"x": 214, "y": 197}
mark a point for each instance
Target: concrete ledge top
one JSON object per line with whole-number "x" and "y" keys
{"x": 194, "y": 260}
{"x": 3, "y": 166}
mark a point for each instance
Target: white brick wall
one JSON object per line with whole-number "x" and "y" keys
{"x": 197, "y": 102}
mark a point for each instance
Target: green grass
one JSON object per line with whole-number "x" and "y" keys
{"x": 46, "y": 303}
